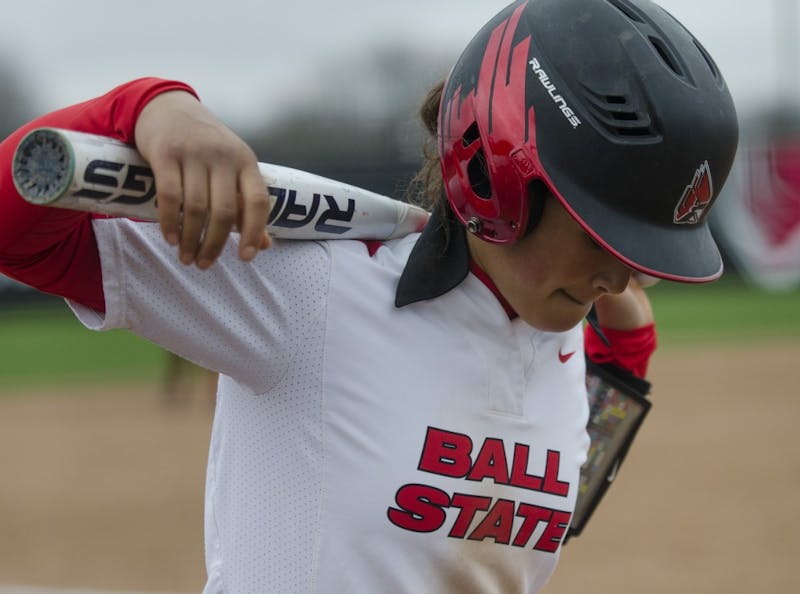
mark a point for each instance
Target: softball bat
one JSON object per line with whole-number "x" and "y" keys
{"x": 79, "y": 171}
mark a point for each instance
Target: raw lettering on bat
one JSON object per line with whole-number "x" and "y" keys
{"x": 135, "y": 184}
{"x": 287, "y": 212}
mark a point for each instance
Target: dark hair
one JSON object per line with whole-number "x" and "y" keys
{"x": 427, "y": 188}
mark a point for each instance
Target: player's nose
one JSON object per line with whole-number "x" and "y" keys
{"x": 612, "y": 278}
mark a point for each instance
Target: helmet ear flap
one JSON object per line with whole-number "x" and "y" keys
{"x": 537, "y": 196}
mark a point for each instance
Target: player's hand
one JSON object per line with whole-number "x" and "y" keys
{"x": 628, "y": 310}
{"x": 207, "y": 178}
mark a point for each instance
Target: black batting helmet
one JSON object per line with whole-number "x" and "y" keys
{"x": 611, "y": 104}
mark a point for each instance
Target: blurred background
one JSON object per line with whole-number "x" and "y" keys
{"x": 103, "y": 438}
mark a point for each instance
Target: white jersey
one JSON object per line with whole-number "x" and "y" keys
{"x": 359, "y": 447}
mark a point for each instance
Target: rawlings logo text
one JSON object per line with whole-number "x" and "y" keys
{"x": 560, "y": 102}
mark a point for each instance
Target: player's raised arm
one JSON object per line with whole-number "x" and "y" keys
{"x": 629, "y": 329}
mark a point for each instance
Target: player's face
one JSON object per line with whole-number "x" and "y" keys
{"x": 552, "y": 276}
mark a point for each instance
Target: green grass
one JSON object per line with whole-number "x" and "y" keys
{"x": 725, "y": 311}
{"x": 45, "y": 345}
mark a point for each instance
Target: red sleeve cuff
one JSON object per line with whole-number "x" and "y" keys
{"x": 131, "y": 98}
{"x": 629, "y": 349}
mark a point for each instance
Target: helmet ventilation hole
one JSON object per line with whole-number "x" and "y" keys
{"x": 620, "y": 115}
{"x": 666, "y": 55}
{"x": 711, "y": 64}
{"x": 626, "y": 9}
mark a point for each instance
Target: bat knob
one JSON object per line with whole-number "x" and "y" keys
{"x": 43, "y": 166}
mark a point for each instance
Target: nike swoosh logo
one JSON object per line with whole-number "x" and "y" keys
{"x": 564, "y": 357}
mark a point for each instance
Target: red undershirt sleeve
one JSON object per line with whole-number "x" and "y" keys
{"x": 628, "y": 349}
{"x": 55, "y": 250}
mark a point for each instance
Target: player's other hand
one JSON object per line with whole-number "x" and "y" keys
{"x": 207, "y": 179}
{"x": 628, "y": 310}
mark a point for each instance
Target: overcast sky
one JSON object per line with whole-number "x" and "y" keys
{"x": 248, "y": 59}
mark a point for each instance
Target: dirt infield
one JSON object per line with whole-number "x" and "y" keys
{"x": 102, "y": 487}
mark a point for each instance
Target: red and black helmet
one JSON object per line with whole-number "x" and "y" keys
{"x": 612, "y": 105}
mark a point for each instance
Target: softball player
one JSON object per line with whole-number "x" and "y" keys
{"x": 410, "y": 416}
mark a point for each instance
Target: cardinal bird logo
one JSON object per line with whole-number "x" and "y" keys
{"x": 696, "y": 197}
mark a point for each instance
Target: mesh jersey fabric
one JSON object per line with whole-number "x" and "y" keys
{"x": 358, "y": 447}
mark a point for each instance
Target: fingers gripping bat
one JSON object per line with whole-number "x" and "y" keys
{"x": 79, "y": 171}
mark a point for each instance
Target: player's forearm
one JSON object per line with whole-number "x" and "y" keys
{"x": 629, "y": 310}
{"x": 628, "y": 324}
